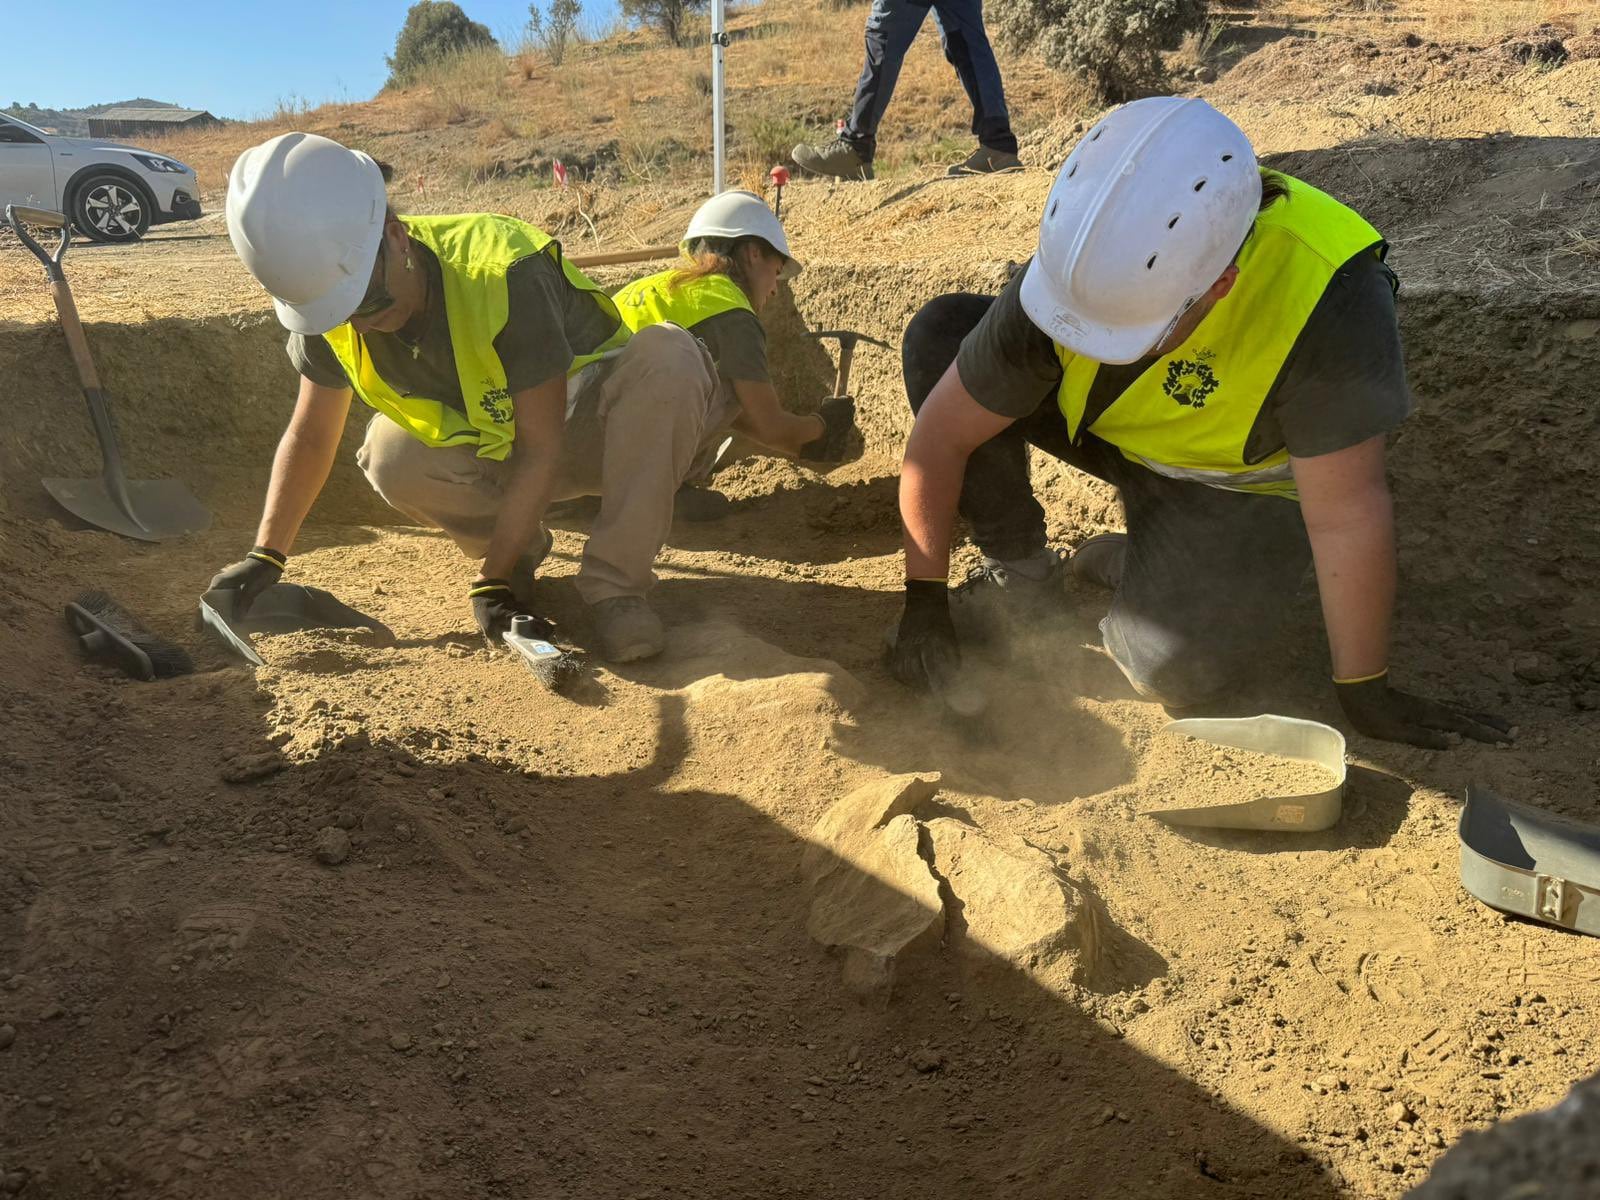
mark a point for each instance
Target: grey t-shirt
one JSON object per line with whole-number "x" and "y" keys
{"x": 550, "y": 323}
{"x": 737, "y": 343}
{"x": 1344, "y": 381}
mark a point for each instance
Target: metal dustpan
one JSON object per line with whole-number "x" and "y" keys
{"x": 1287, "y": 737}
{"x": 1531, "y": 863}
{"x": 151, "y": 510}
{"x": 282, "y": 608}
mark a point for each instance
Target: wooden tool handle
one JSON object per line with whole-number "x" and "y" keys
{"x": 623, "y": 256}
{"x": 73, "y": 328}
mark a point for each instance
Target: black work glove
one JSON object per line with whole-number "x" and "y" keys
{"x": 839, "y": 422}
{"x": 1379, "y": 711}
{"x": 493, "y": 606}
{"x": 925, "y": 653}
{"x": 250, "y": 576}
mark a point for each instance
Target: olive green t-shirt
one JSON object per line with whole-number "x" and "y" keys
{"x": 738, "y": 345}
{"x": 550, "y": 323}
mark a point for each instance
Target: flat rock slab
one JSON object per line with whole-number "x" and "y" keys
{"x": 874, "y": 897}
{"x": 1016, "y": 908}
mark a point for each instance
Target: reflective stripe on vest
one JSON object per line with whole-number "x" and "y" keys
{"x": 654, "y": 300}
{"x": 475, "y": 251}
{"x": 1189, "y": 415}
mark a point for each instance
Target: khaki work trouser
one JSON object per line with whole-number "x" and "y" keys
{"x": 635, "y": 435}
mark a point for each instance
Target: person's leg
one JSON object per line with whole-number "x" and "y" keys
{"x": 966, "y": 47}
{"x": 1208, "y": 576}
{"x": 444, "y": 487}
{"x": 892, "y": 26}
{"x": 656, "y": 411}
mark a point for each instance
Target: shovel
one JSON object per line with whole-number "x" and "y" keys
{"x": 151, "y": 510}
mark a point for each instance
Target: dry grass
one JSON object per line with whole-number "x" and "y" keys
{"x": 1473, "y": 21}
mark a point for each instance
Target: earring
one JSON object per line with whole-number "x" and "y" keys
{"x": 408, "y": 262}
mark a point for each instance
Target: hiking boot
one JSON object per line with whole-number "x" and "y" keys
{"x": 997, "y": 594}
{"x": 701, "y": 504}
{"x": 627, "y": 629}
{"x": 984, "y": 161}
{"x": 527, "y": 566}
{"x": 1098, "y": 560}
{"x": 838, "y": 158}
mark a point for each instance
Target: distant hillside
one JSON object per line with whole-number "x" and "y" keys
{"x": 74, "y": 122}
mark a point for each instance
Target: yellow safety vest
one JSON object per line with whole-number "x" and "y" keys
{"x": 654, "y": 300}
{"x": 475, "y": 250}
{"x": 1189, "y": 414}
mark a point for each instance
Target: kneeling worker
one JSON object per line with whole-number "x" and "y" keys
{"x": 738, "y": 254}
{"x": 1220, "y": 344}
{"x": 501, "y": 377}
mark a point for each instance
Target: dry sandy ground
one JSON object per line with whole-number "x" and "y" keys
{"x": 566, "y": 954}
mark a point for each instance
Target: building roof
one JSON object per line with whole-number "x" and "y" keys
{"x": 169, "y": 116}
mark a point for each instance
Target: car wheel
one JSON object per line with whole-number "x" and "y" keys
{"x": 107, "y": 208}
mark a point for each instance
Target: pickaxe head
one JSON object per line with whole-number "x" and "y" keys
{"x": 847, "y": 339}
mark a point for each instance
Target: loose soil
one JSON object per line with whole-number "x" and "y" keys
{"x": 564, "y": 952}
{"x": 1177, "y": 771}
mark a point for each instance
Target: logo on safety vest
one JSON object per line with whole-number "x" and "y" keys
{"x": 497, "y": 403}
{"x": 1190, "y": 381}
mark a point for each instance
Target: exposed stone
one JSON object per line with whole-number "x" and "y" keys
{"x": 1015, "y": 905}
{"x": 873, "y": 897}
{"x": 333, "y": 845}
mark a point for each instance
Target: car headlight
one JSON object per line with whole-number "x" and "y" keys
{"x": 167, "y": 165}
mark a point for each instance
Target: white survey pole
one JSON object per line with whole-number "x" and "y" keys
{"x": 719, "y": 39}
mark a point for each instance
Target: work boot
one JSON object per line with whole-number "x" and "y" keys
{"x": 700, "y": 504}
{"x": 998, "y": 594}
{"x": 627, "y": 629}
{"x": 984, "y": 161}
{"x": 1098, "y": 560}
{"x": 838, "y": 158}
{"x": 527, "y": 566}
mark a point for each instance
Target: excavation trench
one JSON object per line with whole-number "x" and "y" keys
{"x": 567, "y": 952}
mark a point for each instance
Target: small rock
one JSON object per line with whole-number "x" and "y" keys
{"x": 1205, "y": 75}
{"x": 347, "y": 819}
{"x": 1536, "y": 667}
{"x": 400, "y": 1041}
{"x": 246, "y": 768}
{"x": 926, "y": 1061}
{"x": 516, "y": 824}
{"x": 1399, "y": 1113}
{"x": 8, "y": 1034}
{"x": 333, "y": 845}
{"x": 963, "y": 1121}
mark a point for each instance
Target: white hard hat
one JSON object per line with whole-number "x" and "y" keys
{"x": 306, "y": 217}
{"x": 741, "y": 214}
{"x": 1147, "y": 212}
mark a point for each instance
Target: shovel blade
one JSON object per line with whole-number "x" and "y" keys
{"x": 159, "y": 509}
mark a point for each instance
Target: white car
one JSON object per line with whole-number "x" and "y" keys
{"x": 110, "y": 193}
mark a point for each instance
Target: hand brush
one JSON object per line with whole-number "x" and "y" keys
{"x": 110, "y": 632}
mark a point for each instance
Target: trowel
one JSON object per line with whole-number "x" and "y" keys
{"x": 282, "y": 608}
{"x": 1286, "y": 737}
{"x": 1531, "y": 863}
{"x": 150, "y": 510}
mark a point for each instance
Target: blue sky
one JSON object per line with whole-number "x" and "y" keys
{"x": 237, "y": 59}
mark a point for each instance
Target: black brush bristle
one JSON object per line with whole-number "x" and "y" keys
{"x": 166, "y": 658}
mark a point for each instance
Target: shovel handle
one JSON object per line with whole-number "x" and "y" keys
{"x": 67, "y": 310}
{"x": 19, "y": 216}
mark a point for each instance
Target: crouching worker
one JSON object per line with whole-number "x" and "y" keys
{"x": 738, "y": 254}
{"x": 1220, "y": 344}
{"x": 502, "y": 379}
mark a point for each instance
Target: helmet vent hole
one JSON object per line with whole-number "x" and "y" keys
{"x": 1199, "y": 184}
{"x": 1150, "y": 263}
{"x": 1227, "y": 158}
{"x": 1172, "y": 223}
{"x": 1054, "y": 204}
{"x": 1072, "y": 170}
{"x": 1095, "y": 136}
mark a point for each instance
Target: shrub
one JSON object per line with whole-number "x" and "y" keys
{"x": 1114, "y": 44}
{"x": 555, "y": 28}
{"x": 434, "y": 31}
{"x": 669, "y": 16}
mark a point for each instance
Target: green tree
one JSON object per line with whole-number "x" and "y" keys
{"x": 555, "y": 28}
{"x": 669, "y": 16}
{"x": 1115, "y": 45}
{"x": 434, "y": 29}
